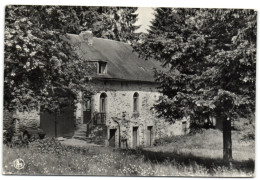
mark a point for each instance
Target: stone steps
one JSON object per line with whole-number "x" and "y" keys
{"x": 81, "y": 127}
{"x": 80, "y": 132}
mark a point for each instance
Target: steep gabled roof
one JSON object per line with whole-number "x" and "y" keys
{"x": 122, "y": 62}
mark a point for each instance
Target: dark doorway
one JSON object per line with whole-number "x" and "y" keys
{"x": 135, "y": 136}
{"x": 87, "y": 112}
{"x": 112, "y": 138}
{"x": 149, "y": 135}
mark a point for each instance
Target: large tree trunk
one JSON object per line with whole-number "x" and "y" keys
{"x": 227, "y": 142}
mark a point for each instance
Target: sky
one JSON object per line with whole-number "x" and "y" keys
{"x": 145, "y": 15}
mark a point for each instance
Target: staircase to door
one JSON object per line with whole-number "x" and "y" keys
{"x": 81, "y": 132}
{"x": 81, "y": 129}
{"x": 95, "y": 131}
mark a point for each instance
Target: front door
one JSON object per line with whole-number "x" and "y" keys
{"x": 135, "y": 137}
{"x": 112, "y": 138}
{"x": 87, "y": 112}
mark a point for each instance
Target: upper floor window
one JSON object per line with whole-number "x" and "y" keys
{"x": 87, "y": 103}
{"x": 102, "y": 67}
{"x": 135, "y": 102}
{"x": 103, "y": 102}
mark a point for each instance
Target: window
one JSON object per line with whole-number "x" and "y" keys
{"x": 103, "y": 102}
{"x": 102, "y": 67}
{"x": 149, "y": 137}
{"x": 135, "y": 103}
{"x": 87, "y": 104}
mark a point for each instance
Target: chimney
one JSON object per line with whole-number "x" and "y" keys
{"x": 87, "y": 36}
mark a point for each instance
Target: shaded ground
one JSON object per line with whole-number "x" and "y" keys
{"x": 208, "y": 144}
{"x": 187, "y": 159}
{"x": 181, "y": 156}
{"x": 60, "y": 160}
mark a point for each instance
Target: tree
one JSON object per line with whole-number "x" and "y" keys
{"x": 38, "y": 59}
{"x": 211, "y": 56}
{"x": 115, "y": 23}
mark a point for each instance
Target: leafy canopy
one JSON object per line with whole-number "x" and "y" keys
{"x": 211, "y": 54}
{"x": 39, "y": 65}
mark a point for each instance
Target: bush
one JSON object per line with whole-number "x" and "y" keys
{"x": 41, "y": 133}
{"x": 53, "y": 146}
{"x": 246, "y": 128}
{"x": 7, "y": 136}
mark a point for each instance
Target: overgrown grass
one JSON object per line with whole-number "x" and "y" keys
{"x": 49, "y": 157}
{"x": 208, "y": 143}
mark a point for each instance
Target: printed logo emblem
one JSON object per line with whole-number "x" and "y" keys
{"x": 19, "y": 163}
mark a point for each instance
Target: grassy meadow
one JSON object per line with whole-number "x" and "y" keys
{"x": 196, "y": 155}
{"x": 207, "y": 144}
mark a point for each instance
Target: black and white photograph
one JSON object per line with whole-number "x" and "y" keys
{"x": 129, "y": 91}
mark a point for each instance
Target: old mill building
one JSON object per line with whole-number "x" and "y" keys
{"x": 119, "y": 114}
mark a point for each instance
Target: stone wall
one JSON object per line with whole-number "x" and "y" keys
{"x": 28, "y": 120}
{"x": 17, "y": 122}
{"x": 119, "y": 106}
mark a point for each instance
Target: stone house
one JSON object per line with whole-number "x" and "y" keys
{"x": 120, "y": 113}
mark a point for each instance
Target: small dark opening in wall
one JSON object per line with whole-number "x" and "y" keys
{"x": 184, "y": 127}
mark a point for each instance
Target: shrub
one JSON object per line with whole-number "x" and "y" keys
{"x": 7, "y": 136}
{"x": 53, "y": 146}
{"x": 41, "y": 133}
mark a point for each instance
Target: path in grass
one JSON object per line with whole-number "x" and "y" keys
{"x": 78, "y": 143}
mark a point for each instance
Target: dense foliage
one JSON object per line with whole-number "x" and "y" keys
{"x": 115, "y": 23}
{"x": 39, "y": 65}
{"x": 212, "y": 58}
{"x": 211, "y": 54}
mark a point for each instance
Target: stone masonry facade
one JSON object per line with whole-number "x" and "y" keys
{"x": 120, "y": 108}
